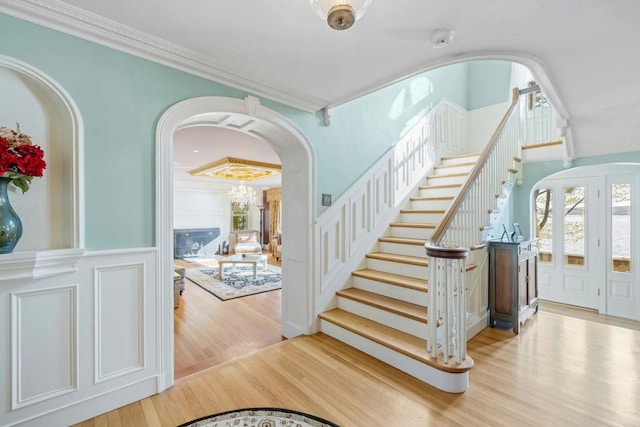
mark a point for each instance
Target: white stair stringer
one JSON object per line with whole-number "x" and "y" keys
{"x": 446, "y": 381}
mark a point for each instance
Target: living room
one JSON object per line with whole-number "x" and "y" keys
{"x": 229, "y": 321}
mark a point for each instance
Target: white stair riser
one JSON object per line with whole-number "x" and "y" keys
{"x": 419, "y": 272}
{"x": 402, "y": 249}
{"x": 421, "y": 218}
{"x": 446, "y": 180}
{"x": 392, "y": 291}
{"x": 446, "y": 381}
{"x": 441, "y": 204}
{"x": 439, "y": 192}
{"x": 458, "y": 160}
{"x": 453, "y": 169}
{"x": 411, "y": 232}
{"x": 401, "y": 323}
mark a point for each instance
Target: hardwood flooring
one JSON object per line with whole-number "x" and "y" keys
{"x": 561, "y": 370}
{"x": 208, "y": 331}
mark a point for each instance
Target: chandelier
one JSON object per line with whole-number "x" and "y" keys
{"x": 242, "y": 196}
{"x": 340, "y": 14}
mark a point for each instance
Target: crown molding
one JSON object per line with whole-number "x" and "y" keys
{"x": 78, "y": 22}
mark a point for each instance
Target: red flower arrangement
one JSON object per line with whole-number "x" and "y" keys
{"x": 20, "y": 160}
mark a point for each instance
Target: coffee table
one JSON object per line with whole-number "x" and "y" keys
{"x": 243, "y": 259}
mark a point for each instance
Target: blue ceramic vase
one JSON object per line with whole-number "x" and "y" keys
{"x": 10, "y": 224}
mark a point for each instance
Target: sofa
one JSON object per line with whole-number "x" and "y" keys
{"x": 245, "y": 242}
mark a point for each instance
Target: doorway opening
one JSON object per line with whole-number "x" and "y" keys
{"x": 585, "y": 221}
{"x": 298, "y": 189}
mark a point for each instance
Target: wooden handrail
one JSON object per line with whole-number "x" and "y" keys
{"x": 438, "y": 234}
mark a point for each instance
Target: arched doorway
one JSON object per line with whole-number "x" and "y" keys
{"x": 298, "y": 191}
{"x": 586, "y": 222}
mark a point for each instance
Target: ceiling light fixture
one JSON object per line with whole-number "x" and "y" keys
{"x": 441, "y": 38}
{"x": 340, "y": 14}
{"x": 241, "y": 196}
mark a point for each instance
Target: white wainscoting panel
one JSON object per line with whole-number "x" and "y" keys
{"x": 44, "y": 341}
{"x": 334, "y": 245}
{"x": 381, "y": 191}
{"x": 119, "y": 320}
{"x": 360, "y": 217}
{"x": 81, "y": 342}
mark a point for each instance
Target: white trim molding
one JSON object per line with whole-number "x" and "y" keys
{"x": 39, "y": 264}
{"x": 78, "y": 22}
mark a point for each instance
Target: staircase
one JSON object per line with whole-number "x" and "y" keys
{"x": 385, "y": 312}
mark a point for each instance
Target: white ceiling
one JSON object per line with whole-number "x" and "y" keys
{"x": 281, "y": 49}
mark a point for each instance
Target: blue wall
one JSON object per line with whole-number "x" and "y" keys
{"x": 488, "y": 83}
{"x": 121, "y": 97}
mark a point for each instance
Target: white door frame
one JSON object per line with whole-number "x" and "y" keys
{"x": 298, "y": 190}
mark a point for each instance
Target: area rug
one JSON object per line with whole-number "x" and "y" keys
{"x": 260, "y": 417}
{"x": 238, "y": 281}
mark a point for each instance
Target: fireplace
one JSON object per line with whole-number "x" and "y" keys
{"x": 196, "y": 242}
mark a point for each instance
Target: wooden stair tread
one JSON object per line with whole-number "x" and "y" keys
{"x": 409, "y": 345}
{"x": 404, "y": 259}
{"x": 393, "y": 279}
{"x": 459, "y": 156}
{"x": 448, "y": 175}
{"x": 436, "y": 187}
{"x": 412, "y": 225}
{"x": 401, "y": 308}
{"x": 422, "y": 211}
{"x": 426, "y": 199}
{"x": 403, "y": 240}
{"x": 454, "y": 165}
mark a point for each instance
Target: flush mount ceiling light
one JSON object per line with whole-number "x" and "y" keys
{"x": 441, "y": 38}
{"x": 340, "y": 14}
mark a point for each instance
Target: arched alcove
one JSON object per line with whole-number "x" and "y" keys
{"x": 50, "y": 210}
{"x": 297, "y": 159}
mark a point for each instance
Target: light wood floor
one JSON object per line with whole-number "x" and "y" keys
{"x": 208, "y": 331}
{"x": 565, "y": 368}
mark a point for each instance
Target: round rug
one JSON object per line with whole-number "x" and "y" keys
{"x": 260, "y": 417}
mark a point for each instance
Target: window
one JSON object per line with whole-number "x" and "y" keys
{"x": 621, "y": 228}
{"x": 544, "y": 223}
{"x": 239, "y": 220}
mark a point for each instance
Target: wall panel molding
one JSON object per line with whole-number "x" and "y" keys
{"x": 44, "y": 322}
{"x": 119, "y": 319}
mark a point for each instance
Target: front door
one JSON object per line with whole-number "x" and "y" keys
{"x": 571, "y": 258}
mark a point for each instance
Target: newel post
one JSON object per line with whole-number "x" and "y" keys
{"x": 447, "y": 303}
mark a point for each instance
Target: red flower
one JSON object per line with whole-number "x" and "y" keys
{"x": 30, "y": 160}
{"x": 20, "y": 160}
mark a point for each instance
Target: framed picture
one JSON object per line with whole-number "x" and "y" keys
{"x": 517, "y": 233}
{"x": 326, "y": 199}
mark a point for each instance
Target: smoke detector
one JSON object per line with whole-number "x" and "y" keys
{"x": 441, "y": 38}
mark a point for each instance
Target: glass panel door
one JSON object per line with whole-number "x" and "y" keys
{"x": 568, "y": 270}
{"x": 543, "y": 200}
{"x": 575, "y": 232}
